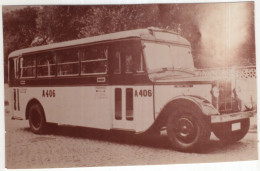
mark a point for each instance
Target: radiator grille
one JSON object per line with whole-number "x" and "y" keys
{"x": 227, "y": 102}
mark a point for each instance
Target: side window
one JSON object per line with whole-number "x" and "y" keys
{"x": 17, "y": 68}
{"x": 46, "y": 65}
{"x": 68, "y": 62}
{"x": 94, "y": 60}
{"x": 140, "y": 64}
{"x": 28, "y": 67}
{"x": 134, "y": 62}
{"x": 129, "y": 62}
{"x": 128, "y": 58}
{"x": 12, "y": 69}
{"x": 116, "y": 60}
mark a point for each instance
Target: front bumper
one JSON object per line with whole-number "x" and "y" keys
{"x": 232, "y": 116}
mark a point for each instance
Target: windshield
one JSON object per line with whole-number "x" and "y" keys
{"x": 164, "y": 56}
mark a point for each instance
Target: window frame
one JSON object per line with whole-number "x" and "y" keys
{"x": 107, "y": 46}
{"x": 138, "y": 64}
{"x": 50, "y": 65}
{"x": 106, "y": 58}
{"x": 67, "y": 63}
{"x": 21, "y": 67}
{"x": 119, "y": 64}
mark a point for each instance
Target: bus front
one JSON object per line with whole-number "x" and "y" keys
{"x": 189, "y": 106}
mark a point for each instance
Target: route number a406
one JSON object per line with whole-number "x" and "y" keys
{"x": 48, "y": 93}
{"x": 143, "y": 93}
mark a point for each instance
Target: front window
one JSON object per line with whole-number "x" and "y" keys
{"x": 160, "y": 56}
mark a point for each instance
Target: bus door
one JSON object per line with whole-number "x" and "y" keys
{"x": 133, "y": 107}
{"x": 126, "y": 68}
{"x": 122, "y": 64}
{"x": 123, "y": 114}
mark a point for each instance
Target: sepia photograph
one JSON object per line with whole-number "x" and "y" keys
{"x": 94, "y": 85}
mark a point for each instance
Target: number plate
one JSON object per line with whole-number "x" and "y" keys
{"x": 236, "y": 126}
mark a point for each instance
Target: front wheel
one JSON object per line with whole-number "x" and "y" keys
{"x": 37, "y": 120}
{"x": 187, "y": 132}
{"x": 225, "y": 133}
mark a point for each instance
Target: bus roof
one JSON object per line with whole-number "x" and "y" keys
{"x": 138, "y": 33}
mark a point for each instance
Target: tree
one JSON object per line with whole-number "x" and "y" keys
{"x": 47, "y": 24}
{"x": 59, "y": 23}
{"x": 109, "y": 19}
{"x": 19, "y": 28}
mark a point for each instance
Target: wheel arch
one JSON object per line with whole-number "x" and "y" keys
{"x": 193, "y": 103}
{"x": 29, "y": 104}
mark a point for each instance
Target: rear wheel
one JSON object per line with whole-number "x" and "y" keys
{"x": 225, "y": 133}
{"x": 37, "y": 119}
{"x": 187, "y": 132}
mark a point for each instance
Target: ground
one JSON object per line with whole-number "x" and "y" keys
{"x": 68, "y": 146}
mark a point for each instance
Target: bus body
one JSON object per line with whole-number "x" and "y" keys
{"x": 139, "y": 80}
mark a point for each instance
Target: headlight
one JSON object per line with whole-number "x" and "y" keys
{"x": 215, "y": 91}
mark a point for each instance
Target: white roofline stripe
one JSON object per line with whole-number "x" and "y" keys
{"x": 106, "y": 37}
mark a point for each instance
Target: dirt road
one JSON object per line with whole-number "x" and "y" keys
{"x": 80, "y": 147}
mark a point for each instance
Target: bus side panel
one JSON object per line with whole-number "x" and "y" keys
{"x": 89, "y": 106}
{"x": 164, "y": 93}
{"x": 80, "y": 106}
{"x": 19, "y": 98}
{"x": 14, "y": 102}
{"x": 143, "y": 107}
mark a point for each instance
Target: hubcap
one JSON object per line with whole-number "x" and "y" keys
{"x": 185, "y": 130}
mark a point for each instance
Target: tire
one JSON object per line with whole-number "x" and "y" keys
{"x": 188, "y": 132}
{"x": 37, "y": 120}
{"x": 225, "y": 134}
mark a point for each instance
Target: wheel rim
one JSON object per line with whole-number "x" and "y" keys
{"x": 36, "y": 119}
{"x": 185, "y": 130}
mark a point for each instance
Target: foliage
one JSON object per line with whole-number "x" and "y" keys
{"x": 19, "y": 28}
{"x": 60, "y": 23}
{"x": 107, "y": 19}
{"x": 34, "y": 26}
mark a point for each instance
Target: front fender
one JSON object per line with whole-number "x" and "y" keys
{"x": 195, "y": 104}
{"x": 203, "y": 104}
{"x": 206, "y": 107}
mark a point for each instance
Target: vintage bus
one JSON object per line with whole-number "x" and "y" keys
{"x": 140, "y": 81}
